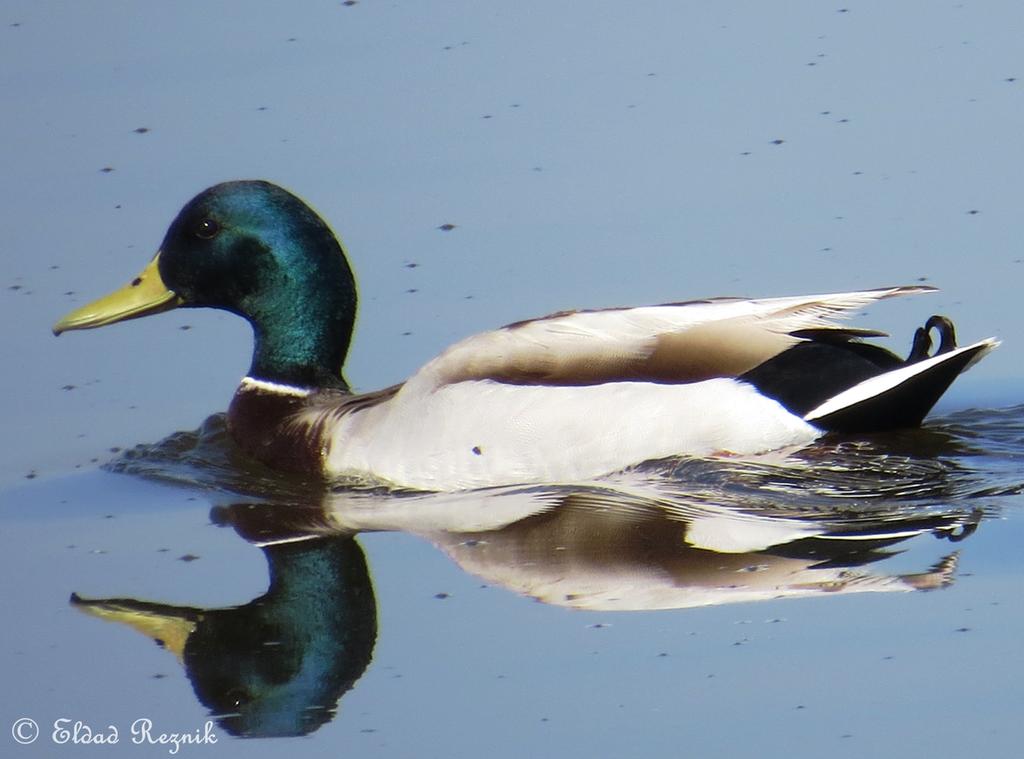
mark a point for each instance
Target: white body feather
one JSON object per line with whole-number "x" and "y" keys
{"x": 460, "y": 422}
{"x": 483, "y": 433}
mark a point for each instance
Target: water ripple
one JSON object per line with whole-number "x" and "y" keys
{"x": 964, "y": 456}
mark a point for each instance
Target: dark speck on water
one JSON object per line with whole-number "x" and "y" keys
{"x": 188, "y": 557}
{"x": 446, "y": 227}
{"x": 141, "y": 130}
{"x": 106, "y": 169}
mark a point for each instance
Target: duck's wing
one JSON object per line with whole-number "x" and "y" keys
{"x": 669, "y": 343}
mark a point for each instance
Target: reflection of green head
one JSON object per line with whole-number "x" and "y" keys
{"x": 277, "y": 665}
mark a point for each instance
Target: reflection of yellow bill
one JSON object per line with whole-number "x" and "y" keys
{"x": 168, "y": 626}
{"x": 144, "y": 295}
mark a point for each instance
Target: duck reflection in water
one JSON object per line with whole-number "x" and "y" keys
{"x": 279, "y": 664}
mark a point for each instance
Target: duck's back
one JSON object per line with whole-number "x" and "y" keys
{"x": 577, "y": 395}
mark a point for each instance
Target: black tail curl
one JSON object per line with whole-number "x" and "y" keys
{"x": 922, "y": 346}
{"x": 814, "y": 370}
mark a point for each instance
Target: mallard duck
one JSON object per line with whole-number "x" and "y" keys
{"x": 566, "y": 397}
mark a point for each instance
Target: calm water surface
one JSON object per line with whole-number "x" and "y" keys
{"x": 859, "y": 596}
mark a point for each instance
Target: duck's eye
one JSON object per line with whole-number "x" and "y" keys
{"x": 237, "y": 697}
{"x": 207, "y": 229}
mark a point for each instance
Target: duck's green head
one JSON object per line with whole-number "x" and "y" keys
{"x": 256, "y": 250}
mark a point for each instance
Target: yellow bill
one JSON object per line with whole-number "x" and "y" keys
{"x": 169, "y": 626}
{"x": 144, "y": 295}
